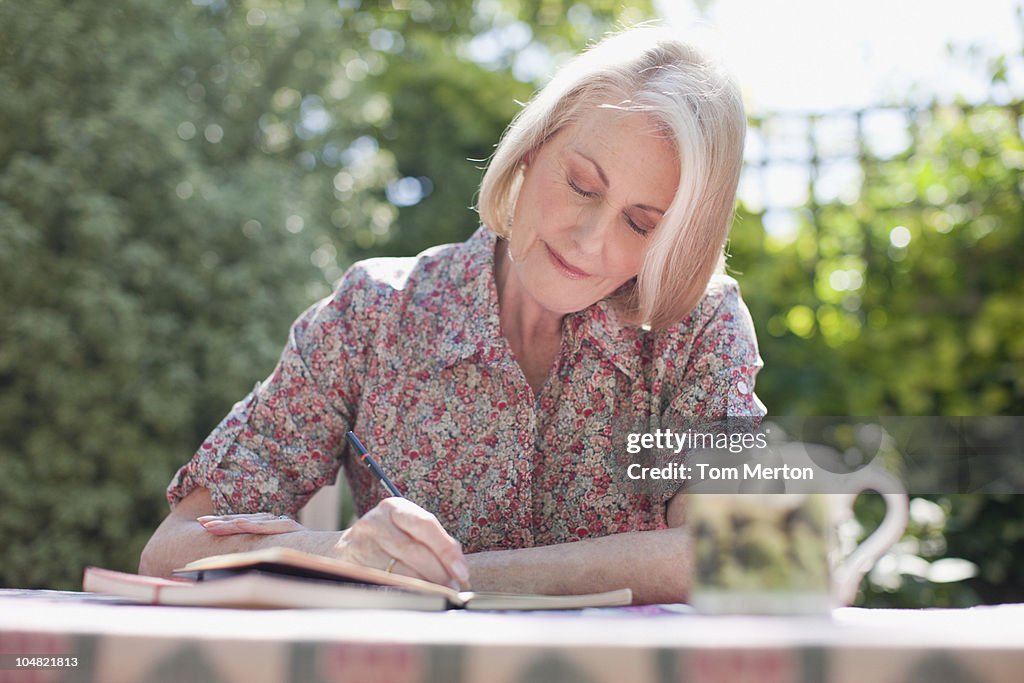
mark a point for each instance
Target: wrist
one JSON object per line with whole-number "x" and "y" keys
{"x": 327, "y": 543}
{"x": 494, "y": 570}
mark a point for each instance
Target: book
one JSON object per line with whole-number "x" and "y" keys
{"x": 287, "y": 578}
{"x": 254, "y": 590}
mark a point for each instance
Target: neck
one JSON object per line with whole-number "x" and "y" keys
{"x": 522, "y": 318}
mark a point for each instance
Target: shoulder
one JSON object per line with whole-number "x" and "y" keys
{"x": 374, "y": 286}
{"x": 439, "y": 266}
{"x": 722, "y": 302}
{"x": 711, "y": 357}
{"x": 720, "y": 310}
{"x": 390, "y": 296}
{"x": 387, "y": 275}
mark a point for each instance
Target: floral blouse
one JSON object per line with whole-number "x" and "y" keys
{"x": 408, "y": 353}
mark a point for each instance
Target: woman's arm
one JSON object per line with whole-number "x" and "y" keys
{"x": 396, "y": 529}
{"x": 657, "y": 565}
{"x": 180, "y": 538}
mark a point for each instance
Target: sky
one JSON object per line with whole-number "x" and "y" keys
{"x": 831, "y": 56}
{"x": 821, "y": 55}
{"x": 828, "y": 57}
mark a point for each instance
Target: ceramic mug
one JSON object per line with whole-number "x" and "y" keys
{"x": 777, "y": 553}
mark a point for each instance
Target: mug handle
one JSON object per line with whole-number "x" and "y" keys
{"x": 846, "y": 577}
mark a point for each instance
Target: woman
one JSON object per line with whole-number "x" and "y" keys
{"x": 489, "y": 378}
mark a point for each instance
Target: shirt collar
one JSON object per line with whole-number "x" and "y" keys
{"x": 600, "y": 326}
{"x": 478, "y": 334}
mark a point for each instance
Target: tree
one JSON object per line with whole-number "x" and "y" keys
{"x": 177, "y": 181}
{"x": 922, "y": 320}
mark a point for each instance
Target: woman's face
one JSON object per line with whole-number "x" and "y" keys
{"x": 591, "y": 197}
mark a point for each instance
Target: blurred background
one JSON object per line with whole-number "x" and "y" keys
{"x": 179, "y": 179}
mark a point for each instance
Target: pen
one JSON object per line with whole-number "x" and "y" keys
{"x": 364, "y": 456}
{"x": 462, "y": 576}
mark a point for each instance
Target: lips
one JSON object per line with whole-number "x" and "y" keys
{"x": 566, "y": 269}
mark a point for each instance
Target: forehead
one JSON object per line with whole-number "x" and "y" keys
{"x": 624, "y": 141}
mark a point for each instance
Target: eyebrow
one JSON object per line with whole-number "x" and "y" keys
{"x": 604, "y": 179}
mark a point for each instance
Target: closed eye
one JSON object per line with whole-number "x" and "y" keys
{"x": 579, "y": 190}
{"x": 643, "y": 232}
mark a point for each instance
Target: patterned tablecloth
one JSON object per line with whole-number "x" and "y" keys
{"x": 113, "y": 642}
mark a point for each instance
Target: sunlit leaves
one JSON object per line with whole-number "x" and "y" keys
{"x": 908, "y": 301}
{"x": 178, "y": 181}
{"x": 890, "y": 284}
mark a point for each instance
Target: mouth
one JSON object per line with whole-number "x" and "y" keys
{"x": 560, "y": 264}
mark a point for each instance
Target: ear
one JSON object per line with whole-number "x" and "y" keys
{"x": 527, "y": 159}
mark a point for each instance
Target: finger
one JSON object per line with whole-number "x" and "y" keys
{"x": 374, "y": 540}
{"x": 237, "y": 516}
{"x": 414, "y": 558}
{"x": 428, "y": 531}
{"x": 405, "y": 570}
{"x": 277, "y": 525}
{"x": 265, "y": 526}
{"x": 232, "y": 528}
{"x": 222, "y": 528}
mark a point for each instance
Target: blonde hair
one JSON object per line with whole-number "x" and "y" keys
{"x": 696, "y": 104}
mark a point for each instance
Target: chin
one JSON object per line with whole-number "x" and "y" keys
{"x": 564, "y": 305}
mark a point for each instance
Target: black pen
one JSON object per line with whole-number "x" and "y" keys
{"x": 365, "y": 456}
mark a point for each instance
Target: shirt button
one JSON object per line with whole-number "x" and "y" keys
{"x": 742, "y": 387}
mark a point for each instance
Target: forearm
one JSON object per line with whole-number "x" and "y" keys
{"x": 655, "y": 564}
{"x": 396, "y": 534}
{"x": 184, "y": 541}
{"x": 181, "y": 539}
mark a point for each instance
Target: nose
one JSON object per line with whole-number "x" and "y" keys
{"x": 593, "y": 230}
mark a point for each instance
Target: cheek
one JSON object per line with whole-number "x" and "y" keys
{"x": 626, "y": 258}
{"x": 546, "y": 198}
{"x": 551, "y": 209}
{"x": 532, "y": 205}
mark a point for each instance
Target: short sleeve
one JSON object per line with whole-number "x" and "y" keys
{"x": 282, "y": 442}
{"x": 720, "y": 373}
{"x": 715, "y": 391}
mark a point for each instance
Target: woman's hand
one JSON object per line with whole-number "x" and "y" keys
{"x": 257, "y": 523}
{"x": 396, "y": 529}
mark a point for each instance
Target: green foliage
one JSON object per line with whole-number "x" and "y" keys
{"x": 177, "y": 181}
{"x": 965, "y": 550}
{"x": 447, "y": 145}
{"x": 933, "y": 327}
{"x": 142, "y": 289}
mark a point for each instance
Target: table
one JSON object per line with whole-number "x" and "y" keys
{"x": 116, "y": 642}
